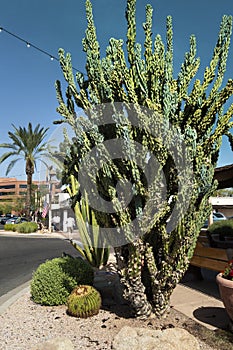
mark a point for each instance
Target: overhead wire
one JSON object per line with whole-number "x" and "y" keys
{"x": 52, "y": 57}
{"x": 29, "y": 44}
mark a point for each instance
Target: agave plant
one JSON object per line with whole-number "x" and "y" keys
{"x": 93, "y": 249}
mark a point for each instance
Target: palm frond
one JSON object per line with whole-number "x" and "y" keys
{"x": 11, "y": 165}
{"x": 7, "y": 155}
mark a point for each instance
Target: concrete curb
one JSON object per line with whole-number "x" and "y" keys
{"x": 34, "y": 235}
{"x": 9, "y": 298}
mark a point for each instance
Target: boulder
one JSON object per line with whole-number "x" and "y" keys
{"x": 60, "y": 343}
{"x": 141, "y": 338}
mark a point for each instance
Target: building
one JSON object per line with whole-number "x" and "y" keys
{"x": 224, "y": 175}
{"x": 12, "y": 190}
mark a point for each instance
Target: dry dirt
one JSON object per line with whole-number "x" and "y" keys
{"x": 25, "y": 323}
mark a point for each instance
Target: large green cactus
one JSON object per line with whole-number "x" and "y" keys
{"x": 153, "y": 263}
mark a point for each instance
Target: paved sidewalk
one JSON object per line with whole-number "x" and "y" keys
{"x": 204, "y": 308}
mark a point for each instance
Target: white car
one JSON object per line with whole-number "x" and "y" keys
{"x": 16, "y": 220}
{"x": 216, "y": 217}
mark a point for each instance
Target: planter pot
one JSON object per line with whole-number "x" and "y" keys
{"x": 226, "y": 293}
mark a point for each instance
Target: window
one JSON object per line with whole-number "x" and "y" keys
{"x": 7, "y": 193}
{"x": 6, "y": 187}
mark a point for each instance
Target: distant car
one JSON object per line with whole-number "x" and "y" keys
{"x": 217, "y": 216}
{"x": 3, "y": 220}
{"x": 16, "y": 220}
{"x": 20, "y": 220}
{"x": 11, "y": 220}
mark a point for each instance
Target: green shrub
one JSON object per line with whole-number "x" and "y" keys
{"x": 26, "y": 227}
{"x": 54, "y": 280}
{"x": 223, "y": 228}
{"x": 10, "y": 227}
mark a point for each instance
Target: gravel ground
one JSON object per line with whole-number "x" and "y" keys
{"x": 24, "y": 324}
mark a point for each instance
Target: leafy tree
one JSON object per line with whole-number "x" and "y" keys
{"x": 27, "y": 144}
{"x": 185, "y": 110}
{"x": 5, "y": 208}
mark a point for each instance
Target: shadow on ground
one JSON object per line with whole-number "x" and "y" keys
{"x": 215, "y": 316}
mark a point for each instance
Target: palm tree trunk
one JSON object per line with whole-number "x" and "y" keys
{"x": 29, "y": 172}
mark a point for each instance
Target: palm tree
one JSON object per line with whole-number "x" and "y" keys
{"x": 29, "y": 145}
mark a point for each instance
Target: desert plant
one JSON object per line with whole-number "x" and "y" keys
{"x": 54, "y": 279}
{"x": 182, "y": 110}
{"x": 84, "y": 301}
{"x": 93, "y": 249}
{"x": 26, "y": 227}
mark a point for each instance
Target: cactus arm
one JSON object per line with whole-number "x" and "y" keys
{"x": 131, "y": 30}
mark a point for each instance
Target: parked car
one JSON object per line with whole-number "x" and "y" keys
{"x": 16, "y": 220}
{"x": 219, "y": 216}
{"x": 3, "y": 220}
{"x": 11, "y": 220}
{"x": 216, "y": 217}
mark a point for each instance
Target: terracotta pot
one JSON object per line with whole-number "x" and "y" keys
{"x": 226, "y": 293}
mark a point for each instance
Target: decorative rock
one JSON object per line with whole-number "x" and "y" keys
{"x": 109, "y": 286}
{"x": 60, "y": 343}
{"x": 141, "y": 338}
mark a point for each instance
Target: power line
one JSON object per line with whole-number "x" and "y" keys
{"x": 29, "y": 44}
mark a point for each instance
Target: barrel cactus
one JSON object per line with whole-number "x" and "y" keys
{"x": 84, "y": 301}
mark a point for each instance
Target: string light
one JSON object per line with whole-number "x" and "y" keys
{"x": 52, "y": 57}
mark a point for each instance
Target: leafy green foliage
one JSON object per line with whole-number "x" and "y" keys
{"x": 84, "y": 301}
{"x": 10, "y": 227}
{"x": 223, "y": 228}
{"x": 54, "y": 280}
{"x": 24, "y": 227}
{"x": 27, "y": 227}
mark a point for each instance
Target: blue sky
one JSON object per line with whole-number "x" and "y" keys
{"x": 27, "y": 76}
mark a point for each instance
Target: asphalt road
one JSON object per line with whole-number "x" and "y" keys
{"x": 20, "y": 256}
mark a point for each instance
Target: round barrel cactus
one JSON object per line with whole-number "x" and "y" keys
{"x": 84, "y": 301}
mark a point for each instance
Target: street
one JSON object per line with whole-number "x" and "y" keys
{"x": 20, "y": 256}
